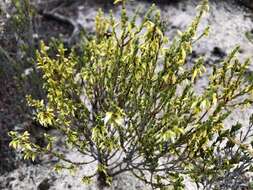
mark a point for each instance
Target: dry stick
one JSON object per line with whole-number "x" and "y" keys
{"x": 63, "y": 19}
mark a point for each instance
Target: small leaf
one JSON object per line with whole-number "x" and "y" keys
{"x": 108, "y": 117}
{"x": 118, "y": 1}
{"x": 86, "y": 180}
{"x": 33, "y": 156}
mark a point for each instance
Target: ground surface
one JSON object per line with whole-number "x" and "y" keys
{"x": 228, "y": 23}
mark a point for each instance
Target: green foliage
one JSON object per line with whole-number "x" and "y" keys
{"x": 18, "y": 48}
{"x": 249, "y": 36}
{"x": 19, "y": 54}
{"x": 21, "y": 21}
{"x": 128, "y": 102}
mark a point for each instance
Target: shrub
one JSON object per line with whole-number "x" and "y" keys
{"x": 249, "y": 36}
{"x": 18, "y": 49}
{"x": 128, "y": 102}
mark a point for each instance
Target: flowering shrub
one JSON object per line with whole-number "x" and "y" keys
{"x": 128, "y": 102}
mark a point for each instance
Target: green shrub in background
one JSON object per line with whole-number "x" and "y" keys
{"x": 18, "y": 48}
{"x": 128, "y": 103}
{"x": 249, "y": 36}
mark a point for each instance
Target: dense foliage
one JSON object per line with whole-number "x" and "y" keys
{"x": 128, "y": 102}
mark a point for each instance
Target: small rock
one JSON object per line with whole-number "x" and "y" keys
{"x": 69, "y": 186}
{"x": 44, "y": 185}
{"x": 218, "y": 52}
{"x": 194, "y": 54}
{"x": 241, "y": 51}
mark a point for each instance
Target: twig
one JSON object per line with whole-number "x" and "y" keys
{"x": 63, "y": 19}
